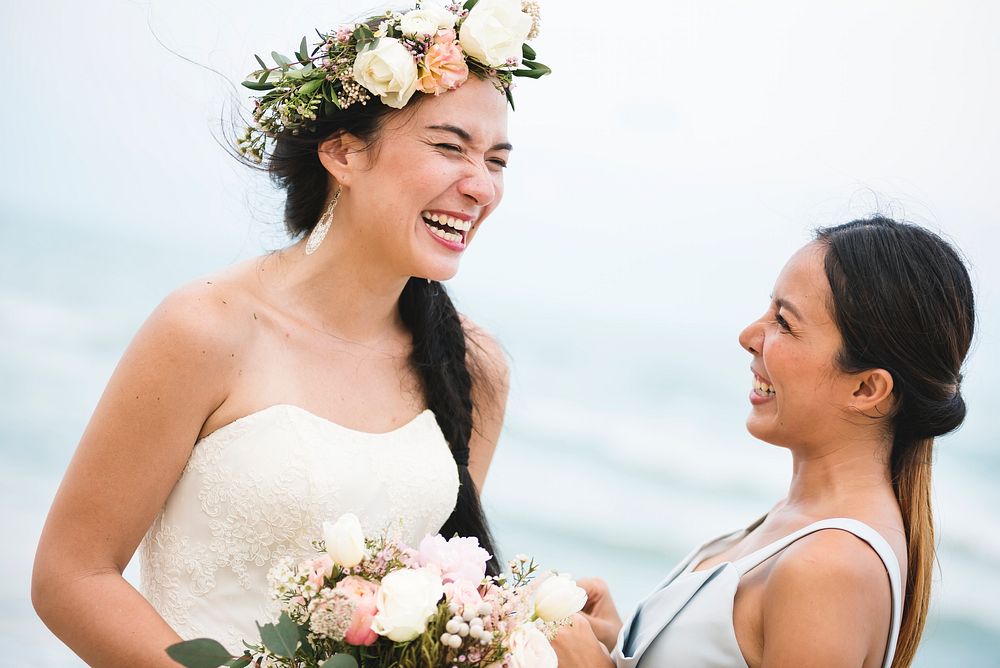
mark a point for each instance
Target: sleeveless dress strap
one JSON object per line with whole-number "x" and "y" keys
{"x": 865, "y": 533}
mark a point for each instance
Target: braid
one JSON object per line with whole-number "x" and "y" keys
{"x": 440, "y": 358}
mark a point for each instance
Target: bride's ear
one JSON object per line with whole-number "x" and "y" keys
{"x": 872, "y": 393}
{"x": 341, "y": 155}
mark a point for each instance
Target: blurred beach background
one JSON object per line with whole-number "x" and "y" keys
{"x": 660, "y": 179}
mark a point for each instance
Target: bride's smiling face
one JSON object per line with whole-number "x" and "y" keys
{"x": 418, "y": 197}
{"x": 799, "y": 396}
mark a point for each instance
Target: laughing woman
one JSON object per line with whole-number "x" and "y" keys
{"x": 856, "y": 369}
{"x": 333, "y": 376}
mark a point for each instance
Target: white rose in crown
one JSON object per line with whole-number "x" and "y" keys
{"x": 427, "y": 20}
{"x": 529, "y": 648}
{"x": 406, "y": 600}
{"x": 558, "y": 597}
{"x": 388, "y": 70}
{"x": 494, "y": 31}
{"x": 345, "y": 541}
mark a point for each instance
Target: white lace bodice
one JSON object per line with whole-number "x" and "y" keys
{"x": 260, "y": 488}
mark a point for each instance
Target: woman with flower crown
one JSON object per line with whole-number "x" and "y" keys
{"x": 857, "y": 367}
{"x": 333, "y": 376}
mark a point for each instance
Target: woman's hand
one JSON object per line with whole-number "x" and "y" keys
{"x": 577, "y": 646}
{"x": 601, "y": 612}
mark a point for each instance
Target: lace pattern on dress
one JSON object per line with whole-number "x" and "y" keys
{"x": 260, "y": 488}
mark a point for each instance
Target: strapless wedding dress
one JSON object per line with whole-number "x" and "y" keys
{"x": 260, "y": 488}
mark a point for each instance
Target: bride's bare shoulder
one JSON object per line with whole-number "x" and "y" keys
{"x": 221, "y": 311}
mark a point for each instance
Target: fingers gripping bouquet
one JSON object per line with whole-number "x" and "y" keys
{"x": 430, "y": 49}
{"x": 376, "y": 603}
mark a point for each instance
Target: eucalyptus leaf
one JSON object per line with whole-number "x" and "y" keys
{"x": 510, "y": 98}
{"x": 527, "y": 52}
{"x": 310, "y": 87}
{"x": 240, "y": 662}
{"x": 340, "y": 661}
{"x": 281, "y": 638}
{"x": 530, "y": 74}
{"x": 303, "y": 51}
{"x": 534, "y": 71}
{"x": 253, "y": 85}
{"x": 199, "y": 653}
{"x": 282, "y": 61}
{"x": 260, "y": 60}
{"x": 470, "y": 4}
{"x": 262, "y": 79}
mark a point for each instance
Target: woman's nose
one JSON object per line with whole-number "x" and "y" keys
{"x": 751, "y": 337}
{"x": 478, "y": 185}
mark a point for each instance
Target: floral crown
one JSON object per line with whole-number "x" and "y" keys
{"x": 430, "y": 49}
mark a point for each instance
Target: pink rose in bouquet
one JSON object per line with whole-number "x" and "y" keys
{"x": 361, "y": 594}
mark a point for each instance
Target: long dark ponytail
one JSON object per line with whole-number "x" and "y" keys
{"x": 445, "y": 362}
{"x": 903, "y": 302}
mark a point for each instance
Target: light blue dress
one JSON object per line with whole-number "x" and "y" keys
{"x": 688, "y": 620}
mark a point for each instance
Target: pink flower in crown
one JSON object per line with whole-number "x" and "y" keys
{"x": 443, "y": 67}
{"x": 445, "y": 36}
{"x": 344, "y": 32}
{"x": 360, "y": 593}
{"x": 457, "y": 560}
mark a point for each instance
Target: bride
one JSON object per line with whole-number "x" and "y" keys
{"x": 856, "y": 369}
{"x": 332, "y": 376}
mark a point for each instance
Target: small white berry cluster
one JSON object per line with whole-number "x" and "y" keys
{"x": 467, "y": 622}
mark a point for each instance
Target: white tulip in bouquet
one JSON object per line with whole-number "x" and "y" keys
{"x": 375, "y": 603}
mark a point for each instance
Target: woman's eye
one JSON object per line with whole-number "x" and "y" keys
{"x": 502, "y": 164}
{"x": 450, "y": 147}
{"x": 781, "y": 321}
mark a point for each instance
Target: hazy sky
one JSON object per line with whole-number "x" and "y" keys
{"x": 677, "y": 144}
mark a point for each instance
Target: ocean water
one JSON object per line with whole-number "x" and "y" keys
{"x": 623, "y": 446}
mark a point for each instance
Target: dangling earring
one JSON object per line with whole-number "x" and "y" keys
{"x": 322, "y": 227}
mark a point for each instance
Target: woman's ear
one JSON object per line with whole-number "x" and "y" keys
{"x": 341, "y": 155}
{"x": 872, "y": 392}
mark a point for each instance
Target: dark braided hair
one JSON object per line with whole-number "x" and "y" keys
{"x": 440, "y": 354}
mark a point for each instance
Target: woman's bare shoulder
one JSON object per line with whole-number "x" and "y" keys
{"x": 827, "y": 597}
{"x": 219, "y": 311}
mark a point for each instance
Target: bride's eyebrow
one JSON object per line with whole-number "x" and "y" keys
{"x": 467, "y": 138}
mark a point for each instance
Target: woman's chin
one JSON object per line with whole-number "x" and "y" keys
{"x": 763, "y": 431}
{"x": 438, "y": 271}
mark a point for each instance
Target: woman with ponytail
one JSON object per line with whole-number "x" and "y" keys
{"x": 332, "y": 376}
{"x": 856, "y": 370}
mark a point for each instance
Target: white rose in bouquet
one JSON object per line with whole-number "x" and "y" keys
{"x": 529, "y": 648}
{"x": 387, "y": 70}
{"x": 558, "y": 597}
{"x": 427, "y": 20}
{"x": 406, "y": 600}
{"x": 494, "y": 31}
{"x": 345, "y": 541}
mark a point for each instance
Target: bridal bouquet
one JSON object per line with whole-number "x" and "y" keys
{"x": 376, "y": 603}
